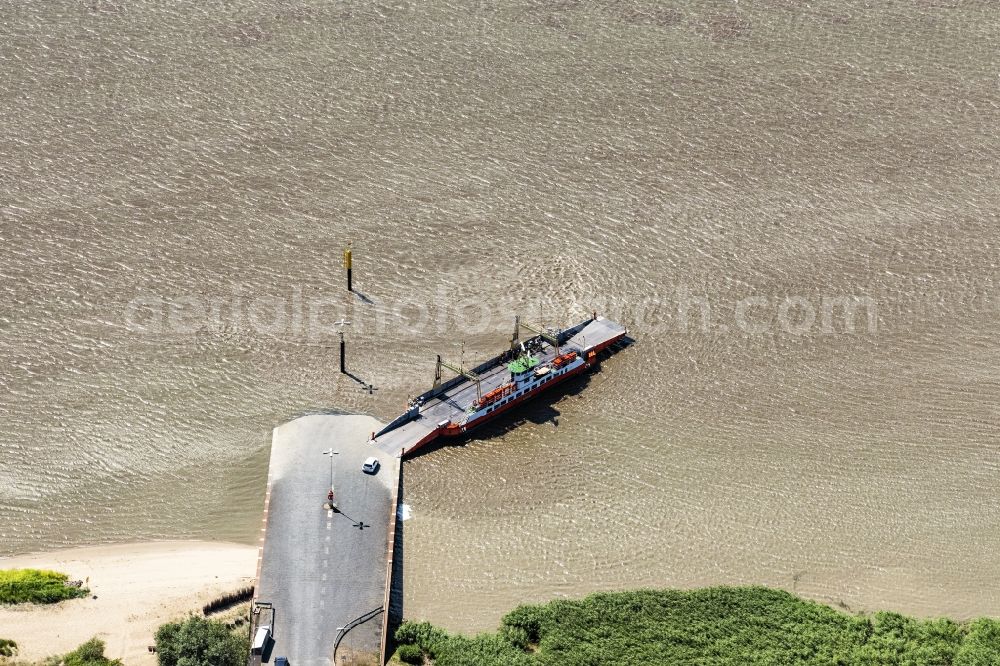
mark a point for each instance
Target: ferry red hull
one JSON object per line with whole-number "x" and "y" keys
{"x": 456, "y": 430}
{"x": 410, "y": 432}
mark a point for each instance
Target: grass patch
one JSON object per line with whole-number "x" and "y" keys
{"x": 227, "y": 601}
{"x": 18, "y": 586}
{"x": 721, "y": 626}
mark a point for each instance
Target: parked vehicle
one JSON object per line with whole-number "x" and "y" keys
{"x": 261, "y": 639}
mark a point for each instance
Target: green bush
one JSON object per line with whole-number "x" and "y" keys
{"x": 8, "y": 648}
{"x": 410, "y": 654}
{"x": 90, "y": 653}
{"x": 981, "y": 646}
{"x": 18, "y": 586}
{"x": 200, "y": 642}
{"x": 721, "y": 626}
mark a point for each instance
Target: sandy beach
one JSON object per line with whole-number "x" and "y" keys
{"x": 138, "y": 588}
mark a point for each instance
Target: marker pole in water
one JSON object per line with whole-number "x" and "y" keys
{"x": 342, "y": 323}
{"x": 343, "y": 366}
{"x": 347, "y": 265}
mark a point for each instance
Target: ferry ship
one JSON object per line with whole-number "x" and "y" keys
{"x": 474, "y": 396}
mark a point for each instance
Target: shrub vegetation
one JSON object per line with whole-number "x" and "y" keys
{"x": 8, "y": 648}
{"x": 90, "y": 653}
{"x": 410, "y": 654}
{"x": 721, "y": 626}
{"x": 18, "y": 586}
{"x": 200, "y": 642}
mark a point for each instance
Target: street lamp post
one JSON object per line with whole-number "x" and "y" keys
{"x": 330, "y": 452}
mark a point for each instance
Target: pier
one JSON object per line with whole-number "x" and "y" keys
{"x": 326, "y": 555}
{"x": 319, "y": 569}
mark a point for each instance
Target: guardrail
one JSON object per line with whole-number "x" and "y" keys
{"x": 350, "y": 625}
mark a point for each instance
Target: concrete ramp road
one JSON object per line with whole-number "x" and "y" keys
{"x": 321, "y": 569}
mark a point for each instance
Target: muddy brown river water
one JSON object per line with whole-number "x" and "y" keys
{"x": 793, "y": 206}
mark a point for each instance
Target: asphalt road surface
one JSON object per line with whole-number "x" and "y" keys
{"x": 322, "y": 569}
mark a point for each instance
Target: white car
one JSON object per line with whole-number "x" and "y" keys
{"x": 371, "y": 466}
